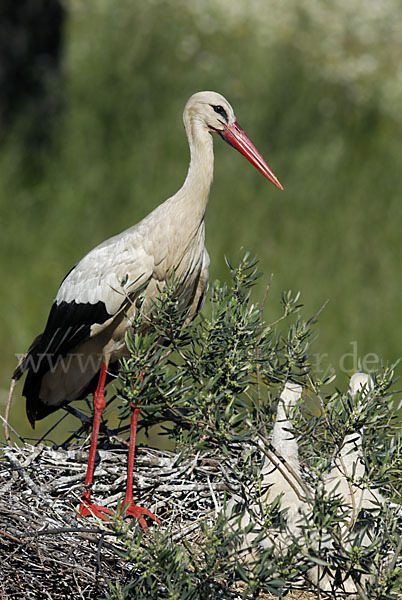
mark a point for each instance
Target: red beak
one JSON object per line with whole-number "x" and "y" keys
{"x": 235, "y": 136}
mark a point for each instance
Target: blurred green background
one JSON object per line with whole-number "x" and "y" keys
{"x": 94, "y": 141}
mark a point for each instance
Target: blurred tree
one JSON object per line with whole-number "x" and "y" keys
{"x": 31, "y": 36}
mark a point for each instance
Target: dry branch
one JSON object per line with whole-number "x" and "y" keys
{"x": 47, "y": 552}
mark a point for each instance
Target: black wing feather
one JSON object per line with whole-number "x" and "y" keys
{"x": 69, "y": 324}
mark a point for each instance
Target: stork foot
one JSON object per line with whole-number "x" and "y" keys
{"x": 130, "y": 509}
{"x": 89, "y": 509}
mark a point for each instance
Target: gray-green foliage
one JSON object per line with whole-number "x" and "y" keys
{"x": 216, "y": 381}
{"x": 216, "y": 368}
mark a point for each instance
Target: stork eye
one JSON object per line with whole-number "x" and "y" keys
{"x": 221, "y": 111}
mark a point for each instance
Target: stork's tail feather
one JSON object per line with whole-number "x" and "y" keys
{"x": 37, "y": 410}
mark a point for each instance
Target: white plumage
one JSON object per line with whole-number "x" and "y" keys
{"x": 346, "y": 476}
{"x": 93, "y": 309}
{"x": 280, "y": 477}
{"x": 347, "y": 480}
{"x": 96, "y": 301}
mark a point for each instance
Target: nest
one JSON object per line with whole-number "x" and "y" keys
{"x": 47, "y": 552}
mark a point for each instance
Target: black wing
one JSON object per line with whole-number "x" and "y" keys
{"x": 69, "y": 324}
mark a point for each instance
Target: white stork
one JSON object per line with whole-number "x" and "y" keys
{"x": 348, "y": 480}
{"x": 347, "y": 476}
{"x": 280, "y": 477}
{"x": 84, "y": 337}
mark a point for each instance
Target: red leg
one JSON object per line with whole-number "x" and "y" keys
{"x": 87, "y": 507}
{"x": 128, "y": 505}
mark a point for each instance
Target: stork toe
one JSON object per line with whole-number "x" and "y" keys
{"x": 89, "y": 509}
{"x": 139, "y": 512}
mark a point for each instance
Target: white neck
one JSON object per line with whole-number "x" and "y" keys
{"x": 283, "y": 439}
{"x": 194, "y": 193}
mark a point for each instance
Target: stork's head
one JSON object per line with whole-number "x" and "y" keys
{"x": 360, "y": 383}
{"x": 213, "y": 113}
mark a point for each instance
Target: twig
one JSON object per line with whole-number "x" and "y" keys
{"x": 361, "y": 593}
{"x": 266, "y": 292}
{"x": 22, "y": 473}
{"x": 60, "y": 530}
{"x": 12, "y": 537}
{"x": 211, "y": 489}
{"x": 392, "y": 564}
{"x": 186, "y": 530}
{"x": 285, "y": 469}
{"x": 8, "y": 405}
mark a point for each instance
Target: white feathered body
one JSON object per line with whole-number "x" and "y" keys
{"x": 275, "y": 483}
{"x": 142, "y": 258}
{"x": 96, "y": 301}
